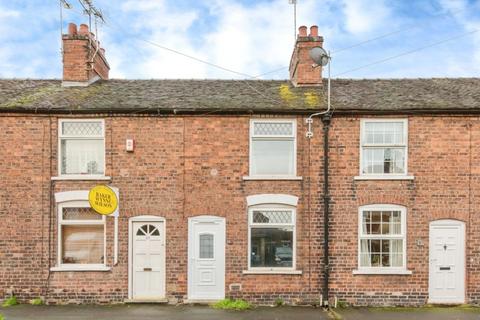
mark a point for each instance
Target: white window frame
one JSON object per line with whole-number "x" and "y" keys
{"x": 73, "y": 137}
{"x": 292, "y": 176}
{"x": 379, "y": 176}
{"x": 272, "y": 207}
{"x": 402, "y": 236}
{"x": 60, "y": 222}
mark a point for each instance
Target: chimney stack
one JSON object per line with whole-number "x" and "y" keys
{"x": 301, "y": 72}
{"x": 83, "y": 60}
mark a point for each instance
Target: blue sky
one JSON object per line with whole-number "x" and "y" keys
{"x": 249, "y": 36}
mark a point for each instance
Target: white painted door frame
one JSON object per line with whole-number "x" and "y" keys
{"x": 458, "y": 262}
{"x": 145, "y": 218}
{"x": 218, "y": 249}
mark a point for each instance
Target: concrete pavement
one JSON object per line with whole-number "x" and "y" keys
{"x": 157, "y": 312}
{"x": 426, "y": 313}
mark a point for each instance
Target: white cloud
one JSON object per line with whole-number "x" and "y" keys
{"x": 363, "y": 16}
{"x": 254, "y": 39}
{"x": 249, "y": 37}
{"x": 462, "y": 11}
{"x": 159, "y": 23}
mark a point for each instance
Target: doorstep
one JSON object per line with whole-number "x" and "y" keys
{"x": 200, "y": 301}
{"x": 163, "y": 300}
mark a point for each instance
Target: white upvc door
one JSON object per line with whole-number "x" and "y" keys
{"x": 148, "y": 260}
{"x": 206, "y": 258}
{"x": 447, "y": 262}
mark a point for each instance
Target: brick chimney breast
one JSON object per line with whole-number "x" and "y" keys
{"x": 301, "y": 72}
{"x": 84, "y": 61}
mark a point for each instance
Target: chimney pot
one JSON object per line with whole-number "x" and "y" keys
{"x": 314, "y": 31}
{"x": 72, "y": 29}
{"x": 83, "y": 29}
{"x": 302, "y": 31}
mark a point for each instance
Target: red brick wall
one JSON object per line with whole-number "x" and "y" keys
{"x": 443, "y": 154}
{"x": 24, "y": 205}
{"x": 170, "y": 175}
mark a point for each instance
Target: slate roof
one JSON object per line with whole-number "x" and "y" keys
{"x": 242, "y": 96}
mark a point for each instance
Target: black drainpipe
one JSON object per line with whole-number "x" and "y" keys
{"x": 326, "y": 206}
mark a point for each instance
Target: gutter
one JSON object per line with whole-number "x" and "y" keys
{"x": 326, "y": 207}
{"x": 239, "y": 111}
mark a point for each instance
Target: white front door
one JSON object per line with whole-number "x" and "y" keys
{"x": 447, "y": 262}
{"x": 148, "y": 260}
{"x": 206, "y": 258}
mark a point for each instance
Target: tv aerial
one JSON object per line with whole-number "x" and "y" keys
{"x": 294, "y": 2}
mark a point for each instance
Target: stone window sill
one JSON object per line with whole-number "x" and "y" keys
{"x": 272, "y": 271}
{"x": 82, "y": 177}
{"x": 79, "y": 268}
{"x": 384, "y": 177}
{"x": 382, "y": 272}
{"x": 248, "y": 178}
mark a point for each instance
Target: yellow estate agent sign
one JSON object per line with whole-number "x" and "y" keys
{"x": 103, "y": 200}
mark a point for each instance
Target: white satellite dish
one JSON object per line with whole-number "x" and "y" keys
{"x": 319, "y": 56}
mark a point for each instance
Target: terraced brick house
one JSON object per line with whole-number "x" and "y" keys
{"x": 221, "y": 194}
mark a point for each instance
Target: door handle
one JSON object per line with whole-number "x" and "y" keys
{"x": 444, "y": 268}
{"x": 147, "y": 269}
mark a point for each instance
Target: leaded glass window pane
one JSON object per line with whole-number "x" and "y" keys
{"x": 80, "y": 214}
{"x": 272, "y": 217}
{"x": 82, "y": 129}
{"x": 273, "y": 129}
{"x": 206, "y": 246}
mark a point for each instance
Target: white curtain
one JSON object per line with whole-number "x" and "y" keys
{"x": 396, "y": 253}
{"x": 83, "y": 156}
{"x": 365, "y": 260}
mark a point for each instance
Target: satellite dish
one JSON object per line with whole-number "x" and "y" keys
{"x": 319, "y": 56}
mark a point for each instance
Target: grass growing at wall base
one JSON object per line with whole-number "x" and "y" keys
{"x": 2, "y": 317}
{"x": 10, "y": 302}
{"x": 36, "y": 302}
{"x": 229, "y": 304}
